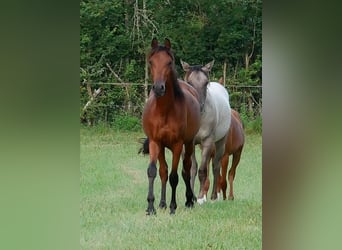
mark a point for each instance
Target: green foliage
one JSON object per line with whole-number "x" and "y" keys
{"x": 252, "y": 123}
{"x": 248, "y": 77}
{"x": 127, "y": 123}
{"x": 120, "y": 32}
{"x": 130, "y": 71}
{"x": 257, "y": 124}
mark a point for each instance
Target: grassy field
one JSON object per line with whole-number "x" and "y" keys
{"x": 113, "y": 191}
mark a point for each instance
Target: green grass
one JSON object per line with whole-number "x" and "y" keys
{"x": 113, "y": 201}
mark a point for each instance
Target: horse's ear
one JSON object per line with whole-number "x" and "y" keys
{"x": 167, "y": 43}
{"x": 185, "y": 66}
{"x": 208, "y": 66}
{"x": 154, "y": 43}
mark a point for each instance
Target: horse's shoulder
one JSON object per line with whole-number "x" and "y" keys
{"x": 216, "y": 85}
{"x": 218, "y": 92}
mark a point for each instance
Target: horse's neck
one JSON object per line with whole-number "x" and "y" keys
{"x": 202, "y": 94}
{"x": 174, "y": 85}
{"x": 167, "y": 101}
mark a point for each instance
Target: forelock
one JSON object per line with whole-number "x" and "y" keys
{"x": 198, "y": 75}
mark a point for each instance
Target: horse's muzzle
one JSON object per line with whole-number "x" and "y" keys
{"x": 159, "y": 88}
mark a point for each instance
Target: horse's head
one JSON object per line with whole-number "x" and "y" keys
{"x": 161, "y": 62}
{"x": 198, "y": 77}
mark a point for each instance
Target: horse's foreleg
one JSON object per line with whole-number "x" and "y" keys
{"x": 163, "y": 178}
{"x": 151, "y": 174}
{"x": 193, "y": 172}
{"x": 186, "y": 173}
{"x": 203, "y": 170}
{"x": 220, "y": 148}
{"x": 176, "y": 153}
{"x": 207, "y": 181}
{"x": 231, "y": 174}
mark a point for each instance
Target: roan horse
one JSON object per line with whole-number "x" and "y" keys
{"x": 215, "y": 123}
{"x": 171, "y": 119}
{"x": 234, "y": 145}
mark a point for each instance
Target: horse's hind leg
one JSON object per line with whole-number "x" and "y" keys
{"x": 223, "y": 180}
{"x": 163, "y": 178}
{"x": 187, "y": 165}
{"x": 220, "y": 148}
{"x": 231, "y": 174}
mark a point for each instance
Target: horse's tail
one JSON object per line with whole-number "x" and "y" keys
{"x": 144, "y": 148}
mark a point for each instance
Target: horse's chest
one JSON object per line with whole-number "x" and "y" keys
{"x": 165, "y": 126}
{"x": 169, "y": 131}
{"x": 203, "y": 133}
{"x": 207, "y": 127}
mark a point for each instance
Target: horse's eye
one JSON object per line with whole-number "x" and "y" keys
{"x": 169, "y": 64}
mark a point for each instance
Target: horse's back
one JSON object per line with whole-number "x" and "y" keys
{"x": 218, "y": 97}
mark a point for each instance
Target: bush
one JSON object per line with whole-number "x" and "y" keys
{"x": 127, "y": 122}
{"x": 256, "y": 124}
{"x": 252, "y": 125}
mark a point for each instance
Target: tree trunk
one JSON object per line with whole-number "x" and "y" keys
{"x": 247, "y": 59}
{"x": 250, "y": 104}
{"x": 236, "y": 69}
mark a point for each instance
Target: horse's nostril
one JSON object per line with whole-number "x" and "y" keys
{"x": 162, "y": 87}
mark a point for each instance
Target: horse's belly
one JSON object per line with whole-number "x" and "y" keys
{"x": 221, "y": 132}
{"x": 214, "y": 124}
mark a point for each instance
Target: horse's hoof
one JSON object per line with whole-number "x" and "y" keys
{"x": 150, "y": 211}
{"x": 215, "y": 196}
{"x": 189, "y": 204}
{"x": 202, "y": 200}
{"x": 213, "y": 200}
{"x": 162, "y": 205}
{"x": 173, "y": 207}
{"x": 172, "y": 211}
{"x": 231, "y": 198}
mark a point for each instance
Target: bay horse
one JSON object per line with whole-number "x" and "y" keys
{"x": 234, "y": 145}
{"x": 214, "y": 126}
{"x": 171, "y": 119}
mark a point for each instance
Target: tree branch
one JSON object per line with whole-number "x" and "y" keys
{"x": 93, "y": 96}
{"x": 117, "y": 77}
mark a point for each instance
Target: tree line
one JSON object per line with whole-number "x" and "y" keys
{"x": 115, "y": 37}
